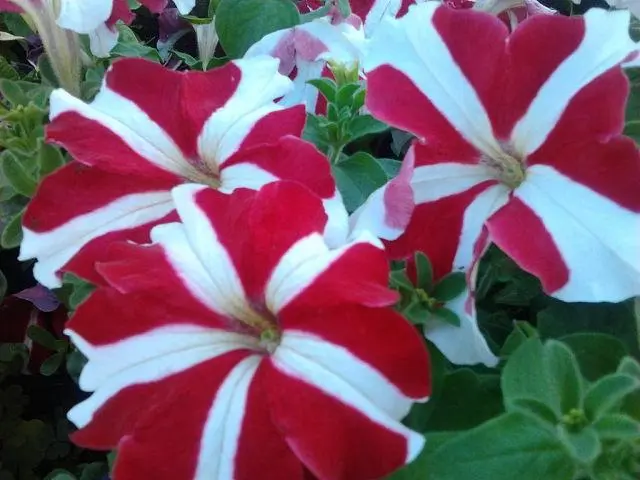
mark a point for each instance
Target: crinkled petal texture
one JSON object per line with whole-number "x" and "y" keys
{"x": 550, "y": 96}
{"x": 150, "y": 129}
{"x": 303, "y": 52}
{"x": 179, "y": 362}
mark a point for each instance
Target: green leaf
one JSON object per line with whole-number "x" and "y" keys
{"x": 598, "y": 354}
{"x": 617, "y": 319}
{"x": 584, "y": 444}
{"x": 466, "y": 400}
{"x": 326, "y": 86}
{"x": 546, "y": 373}
{"x": 534, "y": 407}
{"x": 344, "y": 8}
{"x": 450, "y": 286}
{"x": 41, "y": 336}
{"x": 617, "y": 426}
{"x": 510, "y": 446}
{"x": 7, "y": 71}
{"x": 17, "y": 175}
{"x": 563, "y": 369}
{"x": 10, "y": 89}
{"x": 12, "y": 233}
{"x": 344, "y": 96}
{"x": 447, "y": 316}
{"x": 630, "y": 367}
{"x": 399, "y": 279}
{"x": 81, "y": 289}
{"x": 362, "y": 125}
{"x": 424, "y": 271}
{"x": 46, "y": 71}
{"x": 130, "y": 46}
{"x": 75, "y": 363}
{"x": 241, "y": 23}
{"x": 522, "y": 331}
{"x": 358, "y": 177}
{"x": 52, "y": 364}
{"x": 606, "y": 393}
{"x": 60, "y": 475}
{"x": 50, "y": 159}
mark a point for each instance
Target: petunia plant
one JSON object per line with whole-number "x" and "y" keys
{"x": 319, "y": 240}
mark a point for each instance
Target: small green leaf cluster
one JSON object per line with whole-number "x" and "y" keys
{"x": 423, "y": 300}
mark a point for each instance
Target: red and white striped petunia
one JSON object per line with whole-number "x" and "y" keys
{"x": 520, "y": 134}
{"x": 97, "y": 18}
{"x": 150, "y": 129}
{"x": 241, "y": 333}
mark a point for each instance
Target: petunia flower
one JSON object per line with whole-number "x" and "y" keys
{"x": 519, "y": 136}
{"x": 150, "y": 129}
{"x": 512, "y": 12}
{"x": 96, "y": 18}
{"x": 240, "y": 333}
{"x": 304, "y": 51}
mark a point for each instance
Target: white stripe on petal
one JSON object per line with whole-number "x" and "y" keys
{"x": 475, "y": 215}
{"x": 106, "y": 361}
{"x": 359, "y": 374}
{"x": 463, "y": 345}
{"x": 154, "y": 369}
{"x": 221, "y": 433}
{"x": 244, "y": 175}
{"x": 606, "y": 43}
{"x": 421, "y": 54}
{"x": 225, "y": 130}
{"x": 305, "y": 261}
{"x": 292, "y": 363}
{"x": 126, "y": 120}
{"x": 433, "y": 182}
{"x": 598, "y": 239}
{"x": 54, "y": 248}
{"x": 222, "y": 288}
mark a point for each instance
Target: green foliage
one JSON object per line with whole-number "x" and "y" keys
{"x": 425, "y": 301}
{"x": 241, "y": 23}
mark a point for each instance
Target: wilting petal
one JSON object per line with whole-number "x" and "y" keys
{"x": 102, "y": 40}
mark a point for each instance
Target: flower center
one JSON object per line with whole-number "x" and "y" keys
{"x": 204, "y": 174}
{"x": 264, "y": 325}
{"x": 507, "y": 165}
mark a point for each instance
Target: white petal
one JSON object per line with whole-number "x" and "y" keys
{"x": 598, "y": 239}
{"x": 301, "y": 265}
{"x": 463, "y": 345}
{"x": 296, "y": 365}
{"x": 102, "y": 40}
{"x": 185, "y": 6}
{"x": 421, "y": 54}
{"x": 84, "y": 16}
{"x": 130, "y": 123}
{"x": 360, "y": 375}
{"x": 221, "y": 433}
{"x": 203, "y": 262}
{"x": 54, "y": 248}
{"x": 155, "y": 368}
{"x": 606, "y": 43}
{"x": 260, "y": 84}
